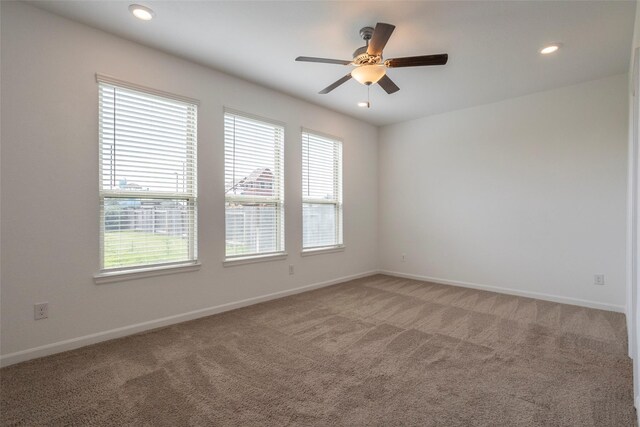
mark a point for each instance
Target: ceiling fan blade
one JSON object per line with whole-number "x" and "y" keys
{"x": 322, "y": 60}
{"x": 388, "y": 85}
{"x": 380, "y": 37}
{"x": 335, "y": 84}
{"x": 417, "y": 61}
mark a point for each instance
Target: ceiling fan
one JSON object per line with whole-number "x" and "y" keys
{"x": 370, "y": 66}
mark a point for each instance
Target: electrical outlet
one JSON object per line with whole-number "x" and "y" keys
{"x": 598, "y": 279}
{"x": 290, "y": 268}
{"x": 404, "y": 257}
{"x": 41, "y": 310}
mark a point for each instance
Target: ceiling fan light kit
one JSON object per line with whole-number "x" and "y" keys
{"x": 370, "y": 66}
{"x": 368, "y": 74}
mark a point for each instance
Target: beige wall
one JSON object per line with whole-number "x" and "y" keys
{"x": 633, "y": 215}
{"x": 525, "y": 195}
{"x": 49, "y": 218}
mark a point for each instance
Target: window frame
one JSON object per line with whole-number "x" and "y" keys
{"x": 338, "y": 201}
{"x": 278, "y": 201}
{"x": 107, "y": 275}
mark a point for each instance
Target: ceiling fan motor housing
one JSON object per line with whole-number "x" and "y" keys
{"x": 361, "y": 57}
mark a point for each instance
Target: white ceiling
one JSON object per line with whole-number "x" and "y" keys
{"x": 493, "y": 46}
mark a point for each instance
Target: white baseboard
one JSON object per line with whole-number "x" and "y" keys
{"x": 510, "y": 291}
{"x": 73, "y": 343}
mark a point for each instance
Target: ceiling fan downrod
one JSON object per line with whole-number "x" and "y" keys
{"x": 366, "y": 33}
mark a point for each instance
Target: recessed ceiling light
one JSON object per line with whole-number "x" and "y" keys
{"x": 550, "y": 49}
{"x": 363, "y": 104}
{"x": 141, "y": 12}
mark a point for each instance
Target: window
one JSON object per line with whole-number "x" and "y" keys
{"x": 321, "y": 192}
{"x": 254, "y": 216}
{"x": 148, "y": 200}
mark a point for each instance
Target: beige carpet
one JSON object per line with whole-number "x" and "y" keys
{"x": 375, "y": 351}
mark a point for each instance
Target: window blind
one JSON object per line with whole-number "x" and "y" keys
{"x": 321, "y": 191}
{"x": 148, "y": 188}
{"x": 254, "y": 186}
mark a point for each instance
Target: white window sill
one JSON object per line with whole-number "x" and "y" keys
{"x": 308, "y": 252}
{"x": 140, "y": 273}
{"x": 229, "y": 262}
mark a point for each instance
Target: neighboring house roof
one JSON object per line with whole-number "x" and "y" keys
{"x": 258, "y": 183}
{"x": 129, "y": 185}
